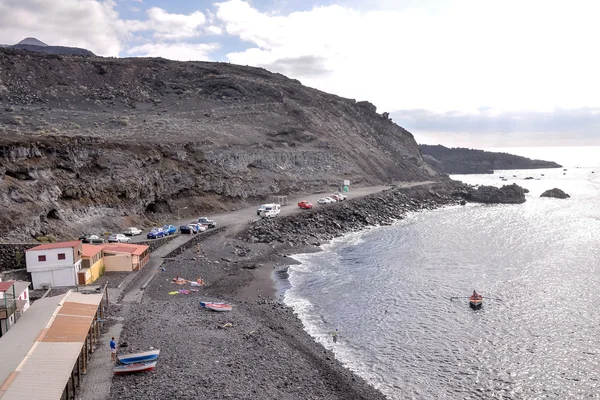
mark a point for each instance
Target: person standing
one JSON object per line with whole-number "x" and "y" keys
{"x": 334, "y": 335}
{"x": 113, "y": 350}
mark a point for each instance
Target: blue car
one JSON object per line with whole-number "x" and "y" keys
{"x": 169, "y": 229}
{"x": 156, "y": 233}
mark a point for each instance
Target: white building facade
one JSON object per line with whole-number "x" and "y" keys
{"x": 54, "y": 264}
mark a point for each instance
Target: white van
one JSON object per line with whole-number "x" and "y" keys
{"x": 270, "y": 210}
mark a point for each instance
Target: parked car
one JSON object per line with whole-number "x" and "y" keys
{"x": 199, "y": 226}
{"x": 324, "y": 200}
{"x": 188, "y": 229}
{"x": 331, "y": 199}
{"x": 119, "y": 238}
{"x": 156, "y": 233}
{"x": 91, "y": 238}
{"x": 169, "y": 229}
{"x": 132, "y": 231}
{"x": 305, "y": 204}
{"x": 208, "y": 222}
{"x": 271, "y": 210}
{"x": 261, "y": 209}
{"x": 336, "y": 197}
{"x": 342, "y": 196}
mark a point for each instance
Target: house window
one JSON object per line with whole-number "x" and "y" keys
{"x": 62, "y": 256}
{"x": 41, "y": 258}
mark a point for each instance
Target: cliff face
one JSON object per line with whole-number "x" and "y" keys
{"x": 470, "y": 161}
{"x": 91, "y": 144}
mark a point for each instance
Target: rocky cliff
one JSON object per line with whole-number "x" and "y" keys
{"x": 471, "y": 161}
{"x": 97, "y": 144}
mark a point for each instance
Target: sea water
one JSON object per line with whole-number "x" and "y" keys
{"x": 388, "y": 292}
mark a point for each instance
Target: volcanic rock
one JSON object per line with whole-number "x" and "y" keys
{"x": 556, "y": 193}
{"x": 507, "y": 194}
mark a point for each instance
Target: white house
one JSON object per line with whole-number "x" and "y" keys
{"x": 54, "y": 264}
{"x": 14, "y": 301}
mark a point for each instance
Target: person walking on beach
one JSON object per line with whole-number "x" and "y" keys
{"x": 334, "y": 335}
{"x": 113, "y": 350}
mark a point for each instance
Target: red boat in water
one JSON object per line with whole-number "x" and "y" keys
{"x": 475, "y": 300}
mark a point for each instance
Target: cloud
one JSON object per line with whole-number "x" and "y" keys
{"x": 167, "y": 26}
{"x": 175, "y": 51}
{"x": 89, "y": 24}
{"x": 492, "y": 128}
{"x": 446, "y": 55}
{"x": 303, "y": 66}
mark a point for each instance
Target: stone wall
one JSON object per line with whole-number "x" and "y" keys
{"x": 12, "y": 255}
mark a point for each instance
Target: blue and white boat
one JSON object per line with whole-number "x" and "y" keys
{"x": 142, "y": 357}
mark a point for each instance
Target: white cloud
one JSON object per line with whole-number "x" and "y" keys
{"x": 89, "y": 24}
{"x": 175, "y": 51}
{"x": 174, "y": 26}
{"x": 453, "y": 55}
{"x": 213, "y": 30}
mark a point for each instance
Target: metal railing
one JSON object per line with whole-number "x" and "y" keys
{"x": 7, "y": 308}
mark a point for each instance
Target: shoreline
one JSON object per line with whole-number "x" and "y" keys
{"x": 265, "y": 352}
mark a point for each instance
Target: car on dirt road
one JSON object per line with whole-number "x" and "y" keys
{"x": 207, "y": 222}
{"x": 188, "y": 229}
{"x": 305, "y": 204}
{"x": 325, "y": 200}
{"x": 156, "y": 233}
{"x": 132, "y": 231}
{"x": 261, "y": 209}
{"x": 169, "y": 229}
{"x": 91, "y": 238}
{"x": 119, "y": 238}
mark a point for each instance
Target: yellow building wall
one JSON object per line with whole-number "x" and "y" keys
{"x": 97, "y": 269}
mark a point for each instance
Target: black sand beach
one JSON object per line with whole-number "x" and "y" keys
{"x": 259, "y": 350}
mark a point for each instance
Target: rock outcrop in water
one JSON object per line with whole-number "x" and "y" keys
{"x": 470, "y": 161}
{"x": 556, "y": 193}
{"x": 507, "y": 194}
{"x": 97, "y": 144}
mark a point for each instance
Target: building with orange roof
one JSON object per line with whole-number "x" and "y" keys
{"x": 92, "y": 264}
{"x": 125, "y": 256}
{"x": 54, "y": 264}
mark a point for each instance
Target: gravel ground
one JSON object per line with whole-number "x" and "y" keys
{"x": 264, "y": 354}
{"x": 259, "y": 350}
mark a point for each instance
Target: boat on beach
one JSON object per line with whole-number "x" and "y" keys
{"x": 219, "y": 307}
{"x": 142, "y": 357}
{"x": 134, "y": 368}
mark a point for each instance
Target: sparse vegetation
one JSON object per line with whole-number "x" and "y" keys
{"x": 17, "y": 120}
{"x": 46, "y": 239}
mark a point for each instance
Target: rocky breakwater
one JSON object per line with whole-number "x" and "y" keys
{"x": 507, "y": 194}
{"x": 556, "y": 193}
{"x": 325, "y": 223}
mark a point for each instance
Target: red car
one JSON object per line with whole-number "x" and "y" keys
{"x": 305, "y": 204}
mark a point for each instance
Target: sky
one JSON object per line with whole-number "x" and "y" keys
{"x": 470, "y": 73}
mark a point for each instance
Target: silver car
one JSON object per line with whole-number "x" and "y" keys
{"x": 119, "y": 238}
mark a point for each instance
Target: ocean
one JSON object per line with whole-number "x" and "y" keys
{"x": 388, "y": 292}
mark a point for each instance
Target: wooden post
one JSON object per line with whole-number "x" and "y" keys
{"x": 85, "y": 354}
{"x": 79, "y": 368}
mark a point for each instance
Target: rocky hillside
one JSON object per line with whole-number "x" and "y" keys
{"x": 91, "y": 144}
{"x": 470, "y": 161}
{"x": 35, "y": 45}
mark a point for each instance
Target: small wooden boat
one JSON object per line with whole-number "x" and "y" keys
{"x": 475, "y": 301}
{"x": 133, "y": 368}
{"x": 219, "y": 307}
{"x": 133, "y": 358}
